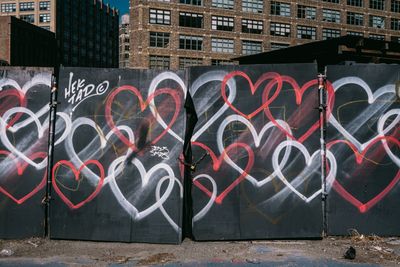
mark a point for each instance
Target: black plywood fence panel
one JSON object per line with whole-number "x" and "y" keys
{"x": 252, "y": 167}
{"x": 24, "y": 124}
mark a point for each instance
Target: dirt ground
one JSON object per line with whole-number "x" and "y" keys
{"x": 370, "y": 249}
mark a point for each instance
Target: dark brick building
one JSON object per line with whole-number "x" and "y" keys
{"x": 23, "y": 44}
{"x": 179, "y": 33}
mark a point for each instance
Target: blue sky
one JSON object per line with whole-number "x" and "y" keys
{"x": 122, "y": 5}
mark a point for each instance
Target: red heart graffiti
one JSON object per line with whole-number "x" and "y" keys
{"x": 11, "y": 93}
{"x": 20, "y": 171}
{"x": 77, "y": 175}
{"x": 299, "y": 92}
{"x": 364, "y": 207}
{"x": 217, "y": 161}
{"x": 143, "y": 105}
{"x": 273, "y": 76}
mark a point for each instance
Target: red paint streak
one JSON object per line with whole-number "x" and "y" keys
{"x": 20, "y": 171}
{"x": 143, "y": 106}
{"x": 77, "y": 174}
{"x": 273, "y": 76}
{"x": 217, "y": 161}
{"x": 6, "y": 105}
{"x": 364, "y": 207}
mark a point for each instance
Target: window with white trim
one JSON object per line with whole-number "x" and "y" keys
{"x": 280, "y": 9}
{"x": 160, "y": 16}
{"x": 280, "y": 29}
{"x": 222, "y": 45}
{"x": 251, "y": 47}
{"x": 331, "y": 15}
{"x": 252, "y": 26}
{"x": 222, "y": 23}
{"x": 254, "y": 6}
{"x": 190, "y": 42}
{"x": 330, "y": 33}
{"x": 306, "y": 32}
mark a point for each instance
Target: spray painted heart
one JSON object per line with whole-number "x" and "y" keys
{"x": 360, "y": 157}
{"x": 217, "y": 162}
{"x": 77, "y": 173}
{"x": 273, "y": 78}
{"x": 20, "y": 169}
{"x": 364, "y": 116}
{"x": 143, "y": 105}
{"x": 257, "y": 140}
{"x": 300, "y": 178}
{"x": 299, "y": 92}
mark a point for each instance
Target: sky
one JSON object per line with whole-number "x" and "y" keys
{"x": 122, "y": 5}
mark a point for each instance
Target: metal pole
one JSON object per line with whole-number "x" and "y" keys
{"x": 322, "y": 120}
{"x": 52, "y": 125}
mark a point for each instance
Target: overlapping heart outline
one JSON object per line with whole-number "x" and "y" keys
{"x": 257, "y": 140}
{"x": 359, "y": 156}
{"x": 372, "y": 97}
{"x": 20, "y": 168}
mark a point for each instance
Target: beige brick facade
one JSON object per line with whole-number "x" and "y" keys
{"x": 141, "y": 26}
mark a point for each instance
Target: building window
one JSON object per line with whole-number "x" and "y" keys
{"x": 44, "y": 5}
{"x": 355, "y": 18}
{"x": 355, "y": 33}
{"x": 159, "y": 39}
{"x": 227, "y": 4}
{"x": 306, "y": 32}
{"x": 377, "y": 4}
{"x": 330, "y": 15}
{"x": 192, "y": 2}
{"x": 395, "y": 24}
{"x": 252, "y": 26}
{"x": 280, "y": 29}
{"x": 280, "y": 9}
{"x": 44, "y": 18}
{"x": 330, "y": 33}
{"x": 355, "y": 3}
{"x": 27, "y": 6}
{"x": 190, "y": 42}
{"x": 185, "y": 62}
{"x": 28, "y": 18}
{"x": 8, "y": 8}
{"x": 332, "y": 1}
{"x": 255, "y": 6}
{"x": 277, "y": 46}
{"x": 377, "y": 37}
{"x": 306, "y": 12}
{"x": 221, "y": 45}
{"x": 251, "y": 47}
{"x": 222, "y": 23}
{"x": 159, "y": 62}
{"x": 395, "y": 39}
{"x": 219, "y": 62}
{"x": 192, "y": 20}
{"x": 395, "y": 6}
{"x": 159, "y": 16}
{"x": 377, "y": 22}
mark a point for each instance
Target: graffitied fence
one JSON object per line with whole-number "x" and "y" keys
{"x": 231, "y": 152}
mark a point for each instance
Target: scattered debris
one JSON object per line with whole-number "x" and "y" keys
{"x": 6, "y": 253}
{"x": 158, "y": 258}
{"x": 393, "y": 241}
{"x": 376, "y": 248}
{"x": 253, "y": 261}
{"x": 350, "y": 253}
{"x": 33, "y": 243}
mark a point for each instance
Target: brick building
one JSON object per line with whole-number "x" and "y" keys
{"x": 86, "y": 30}
{"x": 178, "y": 33}
{"x": 23, "y": 44}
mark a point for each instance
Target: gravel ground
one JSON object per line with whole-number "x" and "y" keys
{"x": 369, "y": 250}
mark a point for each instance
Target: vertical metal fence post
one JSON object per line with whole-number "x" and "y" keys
{"x": 52, "y": 125}
{"x": 322, "y": 120}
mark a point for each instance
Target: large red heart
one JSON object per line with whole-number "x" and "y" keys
{"x": 20, "y": 171}
{"x": 77, "y": 175}
{"x": 360, "y": 155}
{"x": 217, "y": 161}
{"x": 143, "y": 105}
{"x": 299, "y": 92}
{"x": 6, "y": 104}
{"x": 273, "y": 76}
